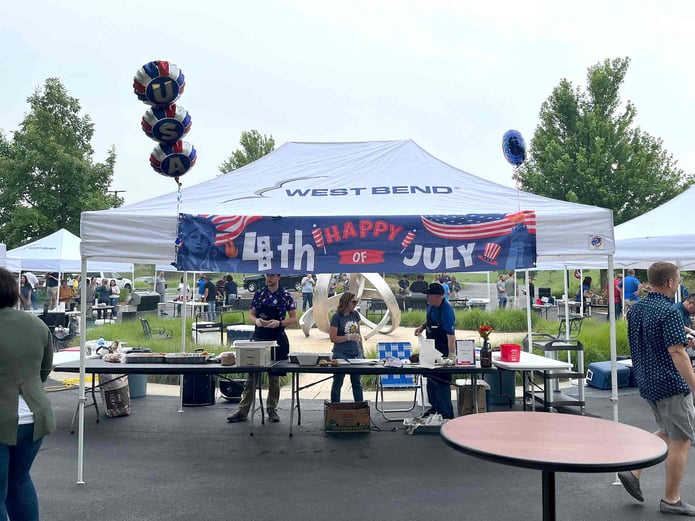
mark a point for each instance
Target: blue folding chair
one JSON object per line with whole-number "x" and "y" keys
{"x": 396, "y": 381}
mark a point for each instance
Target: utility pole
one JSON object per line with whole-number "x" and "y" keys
{"x": 115, "y": 192}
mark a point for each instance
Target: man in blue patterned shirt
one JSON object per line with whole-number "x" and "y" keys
{"x": 665, "y": 378}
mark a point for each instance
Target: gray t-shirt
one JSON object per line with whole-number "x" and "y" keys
{"x": 346, "y": 325}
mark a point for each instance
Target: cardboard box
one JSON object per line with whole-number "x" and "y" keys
{"x": 464, "y": 398}
{"x": 346, "y": 417}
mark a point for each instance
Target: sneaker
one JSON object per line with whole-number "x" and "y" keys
{"x": 428, "y": 412}
{"x": 273, "y": 417}
{"x": 237, "y": 417}
{"x": 681, "y": 508}
{"x": 631, "y": 484}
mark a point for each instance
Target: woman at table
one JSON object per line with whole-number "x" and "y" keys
{"x": 347, "y": 343}
{"x": 114, "y": 296}
{"x": 25, "y": 292}
{"x": 584, "y": 293}
{"x": 26, "y": 358}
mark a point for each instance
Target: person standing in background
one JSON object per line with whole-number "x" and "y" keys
{"x": 501, "y": 292}
{"x": 210, "y": 296}
{"x": 631, "y": 287}
{"x": 231, "y": 291}
{"x": 26, "y": 356}
{"x": 665, "y": 379}
{"x": 34, "y": 286}
{"x": 510, "y": 290}
{"x": 25, "y": 292}
{"x": 307, "y": 284}
{"x": 52, "y": 284}
{"x": 161, "y": 289}
{"x": 114, "y": 296}
{"x": 617, "y": 297}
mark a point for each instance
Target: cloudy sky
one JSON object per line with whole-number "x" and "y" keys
{"x": 451, "y": 75}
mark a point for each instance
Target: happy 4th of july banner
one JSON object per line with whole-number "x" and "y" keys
{"x": 335, "y": 244}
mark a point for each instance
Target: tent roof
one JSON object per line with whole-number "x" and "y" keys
{"x": 341, "y": 179}
{"x": 664, "y": 233}
{"x": 59, "y": 251}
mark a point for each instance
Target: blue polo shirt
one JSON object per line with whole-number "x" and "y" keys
{"x": 653, "y": 325}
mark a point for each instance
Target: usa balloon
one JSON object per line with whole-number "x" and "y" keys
{"x": 159, "y": 83}
{"x": 173, "y": 159}
{"x": 514, "y": 147}
{"x": 166, "y": 124}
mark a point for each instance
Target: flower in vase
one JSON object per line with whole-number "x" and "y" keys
{"x": 484, "y": 332}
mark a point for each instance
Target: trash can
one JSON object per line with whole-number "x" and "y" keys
{"x": 502, "y": 387}
{"x": 137, "y": 385}
{"x": 115, "y": 394}
{"x": 198, "y": 389}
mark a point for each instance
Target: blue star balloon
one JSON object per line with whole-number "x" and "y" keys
{"x": 166, "y": 124}
{"x": 159, "y": 83}
{"x": 173, "y": 159}
{"x": 514, "y": 147}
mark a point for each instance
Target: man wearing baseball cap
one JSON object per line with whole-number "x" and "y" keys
{"x": 439, "y": 327}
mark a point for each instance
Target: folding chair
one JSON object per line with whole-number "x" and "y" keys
{"x": 402, "y": 351}
{"x": 575, "y": 327}
{"x": 160, "y": 332}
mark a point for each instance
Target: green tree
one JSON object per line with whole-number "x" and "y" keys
{"x": 587, "y": 149}
{"x": 47, "y": 177}
{"x": 254, "y": 146}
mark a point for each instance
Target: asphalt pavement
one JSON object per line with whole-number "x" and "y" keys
{"x": 162, "y": 464}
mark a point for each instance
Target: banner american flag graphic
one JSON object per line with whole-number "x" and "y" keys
{"x": 478, "y": 226}
{"x": 229, "y": 227}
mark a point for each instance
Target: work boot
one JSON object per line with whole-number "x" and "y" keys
{"x": 237, "y": 417}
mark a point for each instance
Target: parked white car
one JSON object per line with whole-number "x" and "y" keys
{"x": 121, "y": 281}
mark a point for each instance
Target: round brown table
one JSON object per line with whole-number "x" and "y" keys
{"x": 554, "y": 442}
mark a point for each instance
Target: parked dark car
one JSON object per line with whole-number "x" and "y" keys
{"x": 290, "y": 282}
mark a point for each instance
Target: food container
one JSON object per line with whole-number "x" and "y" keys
{"x": 144, "y": 358}
{"x": 186, "y": 358}
{"x": 295, "y": 358}
{"x": 227, "y": 358}
{"x": 307, "y": 358}
{"x": 510, "y": 352}
{"x": 254, "y": 353}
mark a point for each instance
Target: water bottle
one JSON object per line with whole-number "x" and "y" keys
{"x": 101, "y": 342}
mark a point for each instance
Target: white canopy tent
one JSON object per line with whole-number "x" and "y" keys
{"x": 59, "y": 251}
{"x": 315, "y": 180}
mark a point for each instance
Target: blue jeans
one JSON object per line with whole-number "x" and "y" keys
{"x": 211, "y": 310}
{"x": 439, "y": 394}
{"x": 113, "y": 301}
{"x": 502, "y": 302}
{"x": 17, "y": 493}
{"x": 355, "y": 380}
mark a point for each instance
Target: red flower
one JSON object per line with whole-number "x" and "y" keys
{"x": 485, "y": 331}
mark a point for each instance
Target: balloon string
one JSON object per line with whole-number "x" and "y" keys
{"x": 179, "y": 198}
{"x": 517, "y": 179}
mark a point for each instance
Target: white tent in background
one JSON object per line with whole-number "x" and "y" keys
{"x": 59, "y": 252}
{"x": 3, "y": 255}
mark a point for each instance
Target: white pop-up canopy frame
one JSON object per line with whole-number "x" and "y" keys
{"x": 328, "y": 180}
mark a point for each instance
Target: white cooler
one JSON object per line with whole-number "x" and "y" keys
{"x": 208, "y": 333}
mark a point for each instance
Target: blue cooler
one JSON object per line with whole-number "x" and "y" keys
{"x": 599, "y": 375}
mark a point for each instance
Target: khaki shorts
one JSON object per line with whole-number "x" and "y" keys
{"x": 675, "y": 416}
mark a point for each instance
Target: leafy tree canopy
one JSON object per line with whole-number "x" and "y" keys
{"x": 253, "y": 146}
{"x": 587, "y": 149}
{"x": 47, "y": 177}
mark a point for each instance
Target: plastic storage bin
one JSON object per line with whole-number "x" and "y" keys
{"x": 599, "y": 375}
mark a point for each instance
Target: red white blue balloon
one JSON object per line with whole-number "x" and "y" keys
{"x": 173, "y": 159}
{"x": 514, "y": 147}
{"x": 159, "y": 83}
{"x": 167, "y": 124}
